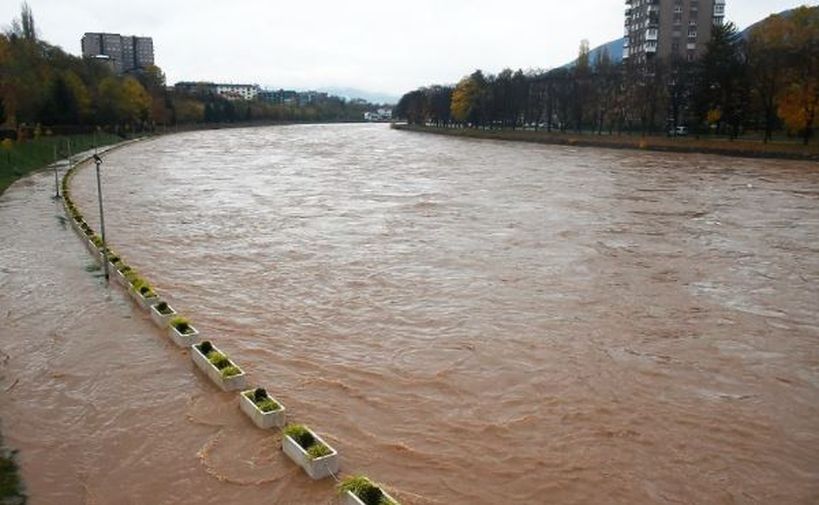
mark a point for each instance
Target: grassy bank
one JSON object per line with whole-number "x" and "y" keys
{"x": 725, "y": 147}
{"x": 19, "y": 159}
{"x": 11, "y": 487}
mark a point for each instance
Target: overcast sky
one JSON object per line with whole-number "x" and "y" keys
{"x": 377, "y": 45}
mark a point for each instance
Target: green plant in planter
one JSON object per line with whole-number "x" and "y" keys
{"x": 205, "y": 347}
{"x": 318, "y": 450}
{"x": 306, "y": 440}
{"x": 182, "y": 325}
{"x": 230, "y": 371}
{"x": 97, "y": 240}
{"x": 366, "y": 491}
{"x": 163, "y": 308}
{"x": 262, "y": 400}
{"x": 218, "y": 360}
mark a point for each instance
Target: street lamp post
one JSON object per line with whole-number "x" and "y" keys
{"x": 98, "y": 162}
{"x": 56, "y": 177}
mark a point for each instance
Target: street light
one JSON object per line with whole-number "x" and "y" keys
{"x": 98, "y": 162}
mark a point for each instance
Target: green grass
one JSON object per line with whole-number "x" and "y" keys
{"x": 30, "y": 155}
{"x": 11, "y": 485}
{"x": 181, "y": 324}
{"x": 366, "y": 491}
{"x": 218, "y": 360}
{"x": 230, "y": 371}
{"x": 262, "y": 400}
{"x": 302, "y": 436}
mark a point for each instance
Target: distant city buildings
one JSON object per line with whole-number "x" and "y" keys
{"x": 250, "y": 92}
{"x": 379, "y": 115}
{"x": 124, "y": 53}
{"x": 668, "y": 28}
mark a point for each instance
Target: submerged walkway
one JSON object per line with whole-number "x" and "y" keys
{"x": 103, "y": 408}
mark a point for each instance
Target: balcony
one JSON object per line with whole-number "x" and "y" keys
{"x": 652, "y": 34}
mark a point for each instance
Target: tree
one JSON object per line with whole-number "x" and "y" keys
{"x": 767, "y": 63}
{"x": 800, "y": 98}
{"x": 722, "y": 82}
{"x": 465, "y": 100}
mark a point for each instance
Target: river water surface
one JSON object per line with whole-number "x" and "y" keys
{"x": 469, "y": 322}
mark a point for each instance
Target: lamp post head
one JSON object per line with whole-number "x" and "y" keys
{"x": 97, "y": 159}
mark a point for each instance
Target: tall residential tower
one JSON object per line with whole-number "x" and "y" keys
{"x": 125, "y": 53}
{"x": 662, "y": 28}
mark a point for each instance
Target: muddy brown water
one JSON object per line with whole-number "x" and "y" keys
{"x": 469, "y": 322}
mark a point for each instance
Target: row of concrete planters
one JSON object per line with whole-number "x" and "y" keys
{"x": 350, "y": 498}
{"x": 234, "y": 383}
{"x": 264, "y": 420}
{"x": 316, "y": 468}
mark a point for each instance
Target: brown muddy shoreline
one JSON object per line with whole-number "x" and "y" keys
{"x": 720, "y": 147}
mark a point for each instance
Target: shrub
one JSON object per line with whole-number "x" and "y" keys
{"x": 300, "y": 435}
{"x": 182, "y": 325}
{"x": 259, "y": 394}
{"x": 366, "y": 491}
{"x": 163, "y": 308}
{"x": 262, "y": 401}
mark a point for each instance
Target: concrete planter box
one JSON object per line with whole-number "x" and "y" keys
{"x": 264, "y": 420}
{"x": 146, "y": 303}
{"x": 235, "y": 383}
{"x": 161, "y": 320}
{"x": 92, "y": 248}
{"x": 120, "y": 278}
{"x": 317, "y": 468}
{"x": 349, "y": 498}
{"x": 183, "y": 339}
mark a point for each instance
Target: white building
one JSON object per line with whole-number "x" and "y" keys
{"x": 237, "y": 91}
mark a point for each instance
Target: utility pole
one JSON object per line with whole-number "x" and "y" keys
{"x": 98, "y": 162}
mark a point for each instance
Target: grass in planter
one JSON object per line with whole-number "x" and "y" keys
{"x": 262, "y": 400}
{"x": 365, "y": 490}
{"x": 141, "y": 286}
{"x": 182, "y": 325}
{"x": 306, "y": 440}
{"x": 163, "y": 308}
{"x": 218, "y": 360}
{"x": 230, "y": 371}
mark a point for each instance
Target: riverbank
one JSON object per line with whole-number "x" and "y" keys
{"x": 18, "y": 159}
{"x": 723, "y": 147}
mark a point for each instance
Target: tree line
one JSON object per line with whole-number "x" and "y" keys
{"x": 767, "y": 82}
{"x": 43, "y": 87}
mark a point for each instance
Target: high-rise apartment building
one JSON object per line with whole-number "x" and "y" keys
{"x": 125, "y": 53}
{"x": 662, "y": 28}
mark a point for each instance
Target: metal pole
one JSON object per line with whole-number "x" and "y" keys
{"x": 56, "y": 176}
{"x": 98, "y": 162}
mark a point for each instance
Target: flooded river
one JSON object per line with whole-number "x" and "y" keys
{"x": 469, "y": 322}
